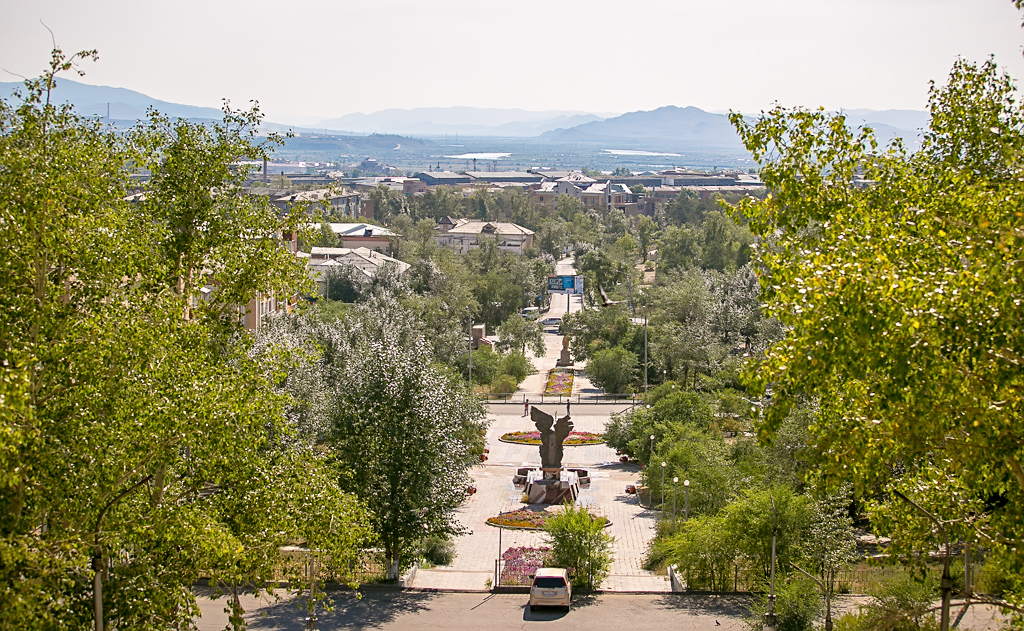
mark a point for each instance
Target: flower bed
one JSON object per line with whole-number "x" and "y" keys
{"x": 560, "y": 382}
{"x": 520, "y": 518}
{"x": 526, "y": 519}
{"x": 520, "y": 563}
{"x": 533, "y": 438}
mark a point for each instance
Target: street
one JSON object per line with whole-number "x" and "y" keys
{"x": 411, "y": 611}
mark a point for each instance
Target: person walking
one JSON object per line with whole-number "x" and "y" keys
{"x": 526, "y": 408}
{"x": 567, "y": 403}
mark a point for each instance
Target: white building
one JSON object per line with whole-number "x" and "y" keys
{"x": 466, "y": 235}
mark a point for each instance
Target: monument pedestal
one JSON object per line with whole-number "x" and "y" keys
{"x": 552, "y": 486}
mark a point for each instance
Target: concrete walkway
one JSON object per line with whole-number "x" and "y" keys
{"x": 632, "y": 526}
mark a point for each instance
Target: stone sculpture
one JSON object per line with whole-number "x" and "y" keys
{"x": 550, "y": 485}
{"x": 550, "y": 437}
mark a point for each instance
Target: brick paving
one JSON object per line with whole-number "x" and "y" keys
{"x": 632, "y": 526}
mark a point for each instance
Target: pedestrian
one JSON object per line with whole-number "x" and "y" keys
{"x": 526, "y": 408}
{"x": 567, "y": 408}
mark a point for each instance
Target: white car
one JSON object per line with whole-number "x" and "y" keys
{"x": 551, "y": 588}
{"x": 551, "y": 321}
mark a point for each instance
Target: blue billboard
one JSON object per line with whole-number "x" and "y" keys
{"x": 565, "y": 284}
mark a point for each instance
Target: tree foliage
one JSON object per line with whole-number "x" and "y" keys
{"x": 896, "y": 276}
{"x": 580, "y": 544}
{"x": 402, "y": 427}
{"x": 612, "y": 370}
{"x": 136, "y": 431}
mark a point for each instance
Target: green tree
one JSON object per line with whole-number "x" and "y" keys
{"x": 756, "y": 514}
{"x": 326, "y": 237}
{"x": 402, "y": 427}
{"x": 387, "y": 203}
{"x": 901, "y": 300}
{"x": 519, "y": 334}
{"x": 137, "y": 433}
{"x": 612, "y": 370}
{"x": 705, "y": 550}
{"x": 680, "y": 248}
{"x": 580, "y": 544}
{"x": 646, "y": 232}
{"x": 344, "y": 283}
{"x": 516, "y": 365}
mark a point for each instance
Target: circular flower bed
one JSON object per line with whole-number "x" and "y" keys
{"x": 533, "y": 438}
{"x": 526, "y": 519}
{"x": 560, "y": 382}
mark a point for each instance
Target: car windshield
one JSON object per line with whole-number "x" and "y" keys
{"x": 548, "y": 582}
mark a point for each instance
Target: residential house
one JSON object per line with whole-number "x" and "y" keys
{"x": 466, "y": 235}
{"x": 365, "y": 262}
{"x": 364, "y": 235}
{"x": 341, "y": 203}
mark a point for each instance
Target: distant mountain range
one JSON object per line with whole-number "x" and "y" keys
{"x": 124, "y": 104}
{"x": 663, "y": 128}
{"x": 673, "y": 127}
{"x": 666, "y": 128}
{"x": 468, "y": 121}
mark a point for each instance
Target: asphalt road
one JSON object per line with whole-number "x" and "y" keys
{"x": 434, "y": 611}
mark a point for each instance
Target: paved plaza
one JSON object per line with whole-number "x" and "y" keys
{"x": 632, "y": 526}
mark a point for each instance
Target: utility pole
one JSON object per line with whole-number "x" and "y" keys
{"x": 769, "y": 617}
{"x": 645, "y": 351}
{"x": 946, "y": 584}
{"x": 470, "y": 350}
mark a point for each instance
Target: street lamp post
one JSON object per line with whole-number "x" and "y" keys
{"x": 652, "y": 449}
{"x": 946, "y": 584}
{"x": 686, "y": 501}
{"x": 663, "y": 465}
{"x": 645, "y": 351}
{"x": 770, "y": 617}
{"x": 470, "y": 349}
{"x": 675, "y": 481}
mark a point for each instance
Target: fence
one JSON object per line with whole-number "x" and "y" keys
{"x": 736, "y": 577}
{"x": 520, "y": 398}
{"x": 370, "y": 567}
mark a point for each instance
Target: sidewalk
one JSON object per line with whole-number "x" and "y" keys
{"x": 632, "y": 525}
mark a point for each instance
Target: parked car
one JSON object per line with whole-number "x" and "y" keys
{"x": 550, "y": 588}
{"x": 551, "y": 321}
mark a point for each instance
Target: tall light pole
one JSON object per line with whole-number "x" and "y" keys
{"x": 645, "y": 351}
{"x": 675, "y": 481}
{"x": 652, "y": 449}
{"x": 470, "y": 349}
{"x": 686, "y": 501}
{"x": 946, "y": 584}
{"x": 769, "y": 616}
{"x": 663, "y": 465}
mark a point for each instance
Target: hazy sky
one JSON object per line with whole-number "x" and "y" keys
{"x": 310, "y": 59}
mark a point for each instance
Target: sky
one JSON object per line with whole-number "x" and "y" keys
{"x": 307, "y": 60}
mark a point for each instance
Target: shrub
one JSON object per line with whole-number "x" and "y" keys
{"x": 504, "y": 384}
{"x": 580, "y": 544}
{"x": 436, "y": 550}
{"x": 899, "y": 604}
{"x": 516, "y": 365}
{"x": 797, "y": 606}
{"x": 613, "y": 370}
